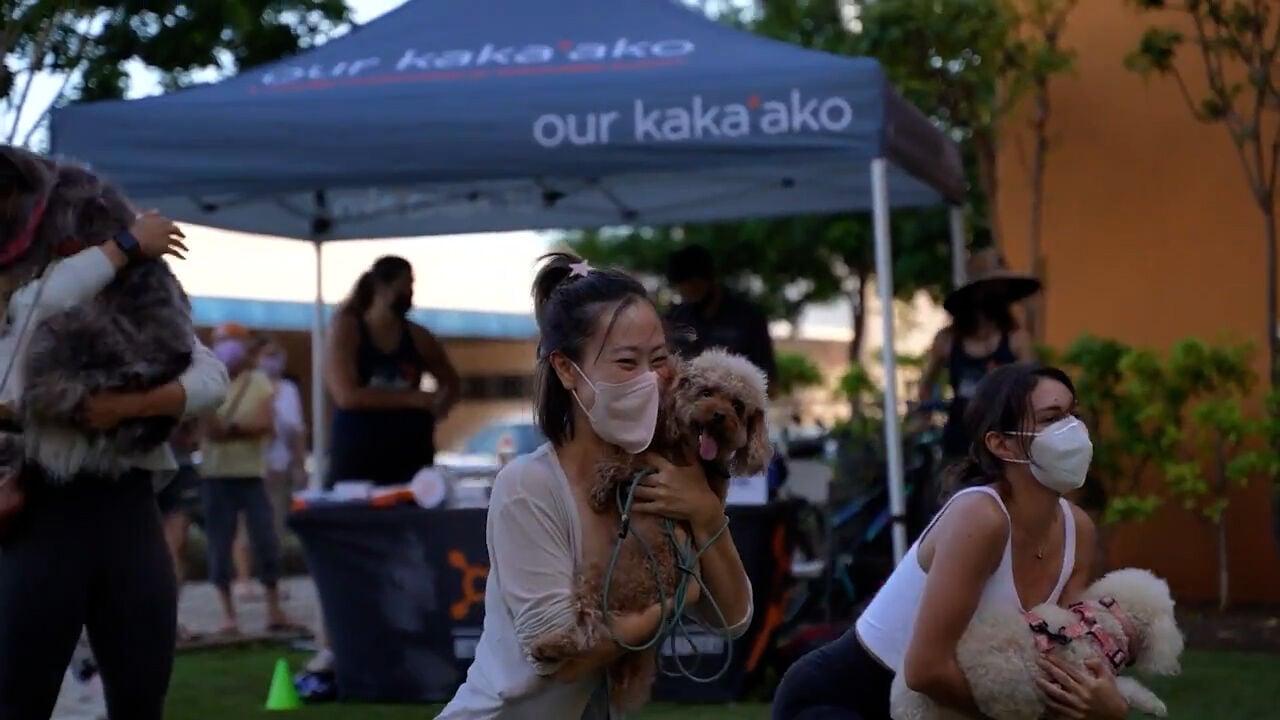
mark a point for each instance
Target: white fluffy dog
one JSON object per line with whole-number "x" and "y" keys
{"x": 1125, "y": 620}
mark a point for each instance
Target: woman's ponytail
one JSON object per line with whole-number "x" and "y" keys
{"x": 384, "y": 271}
{"x": 361, "y": 297}
{"x": 556, "y": 268}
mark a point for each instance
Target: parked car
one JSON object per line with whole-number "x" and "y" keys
{"x": 494, "y": 445}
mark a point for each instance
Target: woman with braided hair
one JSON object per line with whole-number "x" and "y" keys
{"x": 98, "y": 362}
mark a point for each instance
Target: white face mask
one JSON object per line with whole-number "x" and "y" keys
{"x": 1060, "y": 455}
{"x": 624, "y": 414}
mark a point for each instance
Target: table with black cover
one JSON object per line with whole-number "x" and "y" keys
{"x": 402, "y": 593}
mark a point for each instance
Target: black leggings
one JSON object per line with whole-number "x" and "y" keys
{"x": 839, "y": 681}
{"x": 87, "y": 555}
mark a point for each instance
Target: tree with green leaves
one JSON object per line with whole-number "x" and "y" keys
{"x": 1235, "y": 48}
{"x": 1207, "y": 447}
{"x": 1235, "y": 45}
{"x": 971, "y": 64}
{"x": 788, "y": 264}
{"x": 1040, "y": 29}
{"x": 90, "y": 45}
{"x": 796, "y": 372}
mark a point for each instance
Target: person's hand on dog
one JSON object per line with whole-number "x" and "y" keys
{"x": 692, "y": 593}
{"x": 679, "y": 493}
{"x": 158, "y": 236}
{"x": 1075, "y": 695}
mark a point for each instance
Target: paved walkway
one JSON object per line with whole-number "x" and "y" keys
{"x": 198, "y": 610}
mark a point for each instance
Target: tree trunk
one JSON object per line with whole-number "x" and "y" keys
{"x": 1273, "y": 339}
{"x": 1101, "y": 554}
{"x": 1273, "y": 348}
{"x": 1040, "y": 150}
{"x": 1224, "y": 598}
{"x": 858, "y": 318}
{"x": 984, "y": 146}
{"x": 1220, "y": 525}
{"x": 858, "y": 301}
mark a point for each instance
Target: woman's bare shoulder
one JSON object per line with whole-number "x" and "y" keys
{"x": 1086, "y": 529}
{"x": 971, "y": 532}
{"x": 343, "y": 322}
{"x": 942, "y": 341}
{"x": 976, "y": 515}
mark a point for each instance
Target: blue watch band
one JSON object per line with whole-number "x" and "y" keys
{"x": 128, "y": 244}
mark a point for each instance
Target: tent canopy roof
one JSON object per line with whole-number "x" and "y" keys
{"x": 484, "y": 115}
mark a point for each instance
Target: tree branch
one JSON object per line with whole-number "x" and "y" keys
{"x": 1185, "y": 91}
{"x": 1216, "y": 76}
{"x": 13, "y": 30}
{"x": 73, "y": 66}
{"x": 37, "y": 64}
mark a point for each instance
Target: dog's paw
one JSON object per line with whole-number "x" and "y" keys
{"x": 555, "y": 647}
{"x": 1141, "y": 698}
{"x": 601, "y": 495}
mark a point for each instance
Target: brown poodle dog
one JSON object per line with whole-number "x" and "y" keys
{"x": 714, "y": 413}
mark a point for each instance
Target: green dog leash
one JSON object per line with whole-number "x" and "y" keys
{"x": 670, "y": 628}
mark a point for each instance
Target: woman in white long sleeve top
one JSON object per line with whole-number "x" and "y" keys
{"x": 88, "y": 553}
{"x": 602, "y": 346}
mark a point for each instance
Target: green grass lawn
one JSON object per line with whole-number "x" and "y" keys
{"x": 232, "y": 684}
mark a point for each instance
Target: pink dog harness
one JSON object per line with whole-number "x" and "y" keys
{"x": 1117, "y": 651}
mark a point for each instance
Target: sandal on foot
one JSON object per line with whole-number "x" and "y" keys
{"x": 288, "y": 627}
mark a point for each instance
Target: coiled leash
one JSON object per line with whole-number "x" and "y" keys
{"x": 672, "y": 627}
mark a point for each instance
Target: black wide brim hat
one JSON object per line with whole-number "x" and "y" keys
{"x": 987, "y": 278}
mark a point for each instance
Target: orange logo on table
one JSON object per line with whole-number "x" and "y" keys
{"x": 473, "y": 577}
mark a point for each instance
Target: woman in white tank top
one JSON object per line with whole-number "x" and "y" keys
{"x": 1006, "y": 538}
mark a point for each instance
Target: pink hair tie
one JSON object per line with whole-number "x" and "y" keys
{"x": 22, "y": 242}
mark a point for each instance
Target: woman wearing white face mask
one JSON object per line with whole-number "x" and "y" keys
{"x": 602, "y": 361}
{"x": 1006, "y": 538}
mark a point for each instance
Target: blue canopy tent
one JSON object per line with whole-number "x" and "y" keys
{"x": 451, "y": 117}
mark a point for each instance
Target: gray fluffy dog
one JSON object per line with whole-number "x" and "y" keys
{"x": 135, "y": 335}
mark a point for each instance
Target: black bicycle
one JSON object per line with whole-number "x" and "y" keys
{"x": 850, "y": 544}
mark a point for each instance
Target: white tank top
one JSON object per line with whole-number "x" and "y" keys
{"x": 886, "y": 624}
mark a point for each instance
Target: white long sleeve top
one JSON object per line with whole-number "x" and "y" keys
{"x": 70, "y": 282}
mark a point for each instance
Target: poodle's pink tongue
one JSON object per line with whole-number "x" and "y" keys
{"x": 707, "y": 447}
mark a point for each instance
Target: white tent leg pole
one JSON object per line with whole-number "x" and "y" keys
{"x": 884, "y": 282}
{"x": 956, "y": 216}
{"x": 318, "y": 447}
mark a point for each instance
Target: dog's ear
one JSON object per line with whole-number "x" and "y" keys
{"x": 754, "y": 458}
{"x": 23, "y": 173}
{"x": 669, "y": 430}
{"x": 20, "y": 179}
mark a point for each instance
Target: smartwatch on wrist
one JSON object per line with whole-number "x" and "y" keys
{"x": 128, "y": 245}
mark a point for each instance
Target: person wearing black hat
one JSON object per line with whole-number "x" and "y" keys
{"x": 717, "y": 316}
{"x": 982, "y": 336}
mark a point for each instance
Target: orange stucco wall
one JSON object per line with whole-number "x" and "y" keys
{"x": 1149, "y": 236}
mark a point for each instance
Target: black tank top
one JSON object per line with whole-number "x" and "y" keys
{"x": 965, "y": 372}
{"x": 383, "y": 446}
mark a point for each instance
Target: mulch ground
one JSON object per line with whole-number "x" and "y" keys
{"x": 1242, "y": 630}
